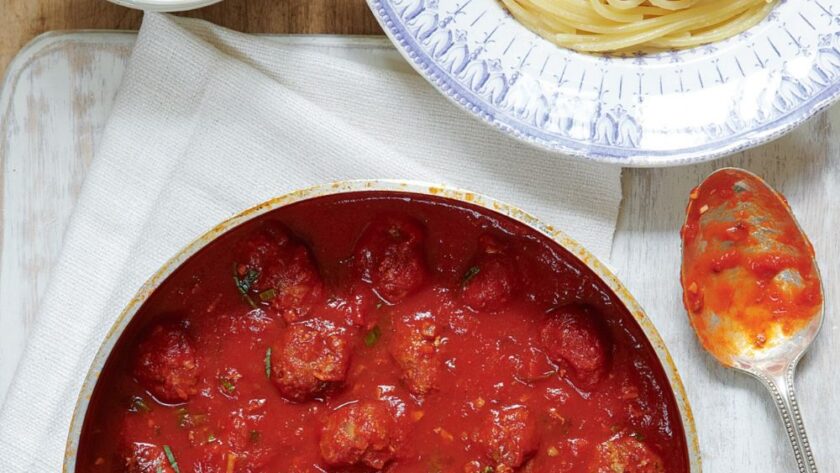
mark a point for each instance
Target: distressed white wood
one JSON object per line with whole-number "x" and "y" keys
{"x": 56, "y": 96}
{"x": 56, "y": 100}
{"x": 737, "y": 423}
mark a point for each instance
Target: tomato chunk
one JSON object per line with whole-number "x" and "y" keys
{"x": 572, "y": 337}
{"x": 490, "y": 282}
{"x": 414, "y": 347}
{"x": 625, "y": 455}
{"x": 147, "y": 458}
{"x": 166, "y": 364}
{"x": 509, "y": 438}
{"x": 277, "y": 271}
{"x": 311, "y": 358}
{"x": 391, "y": 256}
{"x": 365, "y": 433}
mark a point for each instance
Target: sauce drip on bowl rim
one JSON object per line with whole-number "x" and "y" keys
{"x": 382, "y": 331}
{"x": 748, "y": 273}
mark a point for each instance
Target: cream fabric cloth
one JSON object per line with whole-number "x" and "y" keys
{"x": 209, "y": 122}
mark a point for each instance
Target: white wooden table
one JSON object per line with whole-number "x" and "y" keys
{"x": 58, "y": 93}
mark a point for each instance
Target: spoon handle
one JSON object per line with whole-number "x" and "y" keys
{"x": 781, "y": 387}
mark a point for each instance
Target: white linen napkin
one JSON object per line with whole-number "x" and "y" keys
{"x": 209, "y": 122}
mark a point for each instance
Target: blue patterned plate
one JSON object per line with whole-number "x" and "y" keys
{"x": 646, "y": 110}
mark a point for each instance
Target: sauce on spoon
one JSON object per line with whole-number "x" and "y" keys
{"x": 748, "y": 273}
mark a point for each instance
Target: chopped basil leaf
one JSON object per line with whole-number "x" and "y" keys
{"x": 171, "y": 458}
{"x": 267, "y": 295}
{"x": 471, "y": 273}
{"x": 373, "y": 336}
{"x": 211, "y": 438}
{"x": 227, "y": 384}
{"x": 159, "y": 469}
{"x": 268, "y": 362}
{"x": 488, "y": 469}
{"x": 245, "y": 283}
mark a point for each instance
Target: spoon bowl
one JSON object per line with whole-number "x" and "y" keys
{"x": 752, "y": 288}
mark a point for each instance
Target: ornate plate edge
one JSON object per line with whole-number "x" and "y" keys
{"x": 467, "y": 100}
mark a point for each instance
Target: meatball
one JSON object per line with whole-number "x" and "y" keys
{"x": 415, "y": 348}
{"x": 390, "y": 256}
{"x": 147, "y": 458}
{"x": 572, "y": 338}
{"x": 365, "y": 433}
{"x": 166, "y": 364}
{"x": 625, "y": 455}
{"x": 509, "y": 437}
{"x": 278, "y": 272}
{"x": 490, "y": 282}
{"x": 311, "y": 357}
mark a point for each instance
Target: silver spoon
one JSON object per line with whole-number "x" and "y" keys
{"x": 752, "y": 288}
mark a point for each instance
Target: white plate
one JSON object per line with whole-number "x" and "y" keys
{"x": 165, "y": 5}
{"x": 645, "y": 110}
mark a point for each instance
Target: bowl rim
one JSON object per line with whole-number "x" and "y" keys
{"x": 165, "y": 5}
{"x": 382, "y": 185}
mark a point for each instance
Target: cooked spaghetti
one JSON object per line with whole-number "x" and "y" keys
{"x": 634, "y": 25}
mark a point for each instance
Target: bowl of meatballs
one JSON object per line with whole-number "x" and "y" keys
{"x": 369, "y": 326}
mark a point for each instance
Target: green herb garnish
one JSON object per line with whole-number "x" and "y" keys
{"x": 245, "y": 283}
{"x": 373, "y": 336}
{"x": 488, "y": 469}
{"x": 138, "y": 405}
{"x": 171, "y": 457}
{"x": 254, "y": 436}
{"x": 268, "y": 362}
{"x": 211, "y": 438}
{"x": 267, "y": 295}
{"x": 227, "y": 385}
{"x": 471, "y": 273}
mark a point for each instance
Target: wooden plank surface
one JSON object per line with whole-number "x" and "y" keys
{"x": 738, "y": 427}
{"x": 22, "y": 20}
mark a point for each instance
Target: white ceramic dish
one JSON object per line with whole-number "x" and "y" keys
{"x": 645, "y": 110}
{"x": 493, "y": 205}
{"x": 165, "y": 5}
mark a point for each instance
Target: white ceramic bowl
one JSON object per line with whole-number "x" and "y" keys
{"x": 165, "y": 5}
{"x": 663, "y": 109}
{"x": 573, "y": 247}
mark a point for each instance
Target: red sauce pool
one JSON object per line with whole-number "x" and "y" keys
{"x": 382, "y": 331}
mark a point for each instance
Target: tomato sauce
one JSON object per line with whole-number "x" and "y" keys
{"x": 748, "y": 272}
{"x": 383, "y": 332}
